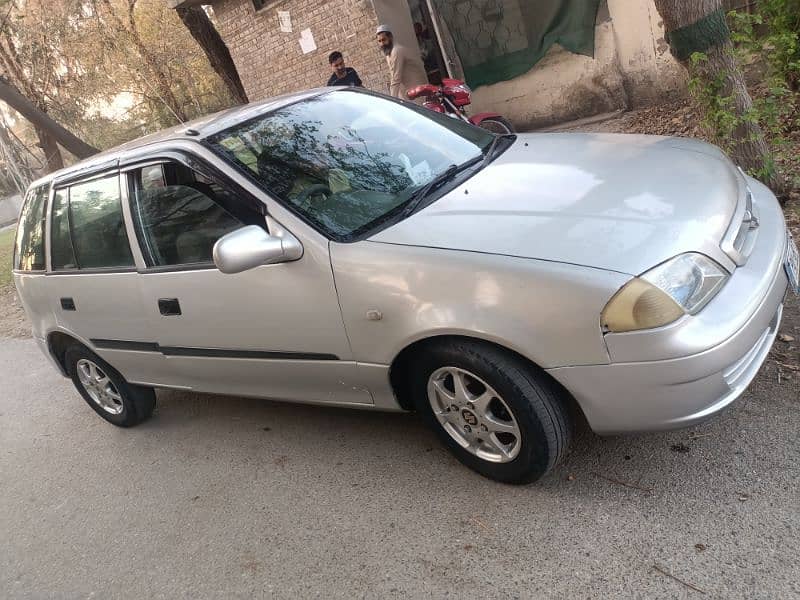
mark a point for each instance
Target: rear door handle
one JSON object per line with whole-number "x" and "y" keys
{"x": 169, "y": 307}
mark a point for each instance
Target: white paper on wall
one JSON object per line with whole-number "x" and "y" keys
{"x": 285, "y": 19}
{"x": 307, "y": 43}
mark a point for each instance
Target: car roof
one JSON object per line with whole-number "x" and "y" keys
{"x": 195, "y": 129}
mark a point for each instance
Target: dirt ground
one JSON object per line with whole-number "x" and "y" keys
{"x": 13, "y": 322}
{"x": 12, "y": 318}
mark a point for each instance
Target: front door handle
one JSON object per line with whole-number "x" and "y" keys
{"x": 169, "y": 307}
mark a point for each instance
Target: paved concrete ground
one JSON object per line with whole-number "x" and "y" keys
{"x": 226, "y": 497}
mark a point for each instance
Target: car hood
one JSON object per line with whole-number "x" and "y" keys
{"x": 618, "y": 202}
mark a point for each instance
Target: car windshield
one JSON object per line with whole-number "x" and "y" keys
{"x": 346, "y": 160}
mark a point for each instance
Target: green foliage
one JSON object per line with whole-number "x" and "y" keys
{"x": 769, "y": 36}
{"x": 6, "y": 250}
{"x": 720, "y": 115}
{"x": 773, "y": 32}
{"x": 772, "y": 35}
{"x": 95, "y": 66}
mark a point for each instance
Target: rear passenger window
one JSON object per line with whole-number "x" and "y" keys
{"x": 99, "y": 239}
{"x": 29, "y": 245}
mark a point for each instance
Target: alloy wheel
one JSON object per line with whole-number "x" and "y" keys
{"x": 99, "y": 387}
{"x": 474, "y": 414}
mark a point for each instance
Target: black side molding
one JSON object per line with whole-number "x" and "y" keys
{"x": 124, "y": 345}
{"x": 257, "y": 354}
{"x": 209, "y": 352}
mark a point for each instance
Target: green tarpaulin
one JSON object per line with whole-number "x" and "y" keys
{"x": 497, "y": 40}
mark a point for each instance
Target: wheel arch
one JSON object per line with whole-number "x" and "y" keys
{"x": 400, "y": 367}
{"x": 57, "y": 343}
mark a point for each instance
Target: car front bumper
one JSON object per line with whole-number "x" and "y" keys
{"x": 682, "y": 374}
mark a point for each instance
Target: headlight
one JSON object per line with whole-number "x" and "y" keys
{"x": 682, "y": 285}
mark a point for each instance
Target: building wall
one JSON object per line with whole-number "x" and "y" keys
{"x": 650, "y": 72}
{"x": 632, "y": 64}
{"x": 631, "y": 67}
{"x": 561, "y": 87}
{"x": 271, "y": 62}
{"x": 493, "y": 26}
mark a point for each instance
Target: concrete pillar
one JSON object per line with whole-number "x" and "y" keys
{"x": 397, "y": 15}
{"x": 650, "y": 73}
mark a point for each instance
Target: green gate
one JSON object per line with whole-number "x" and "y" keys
{"x": 498, "y": 40}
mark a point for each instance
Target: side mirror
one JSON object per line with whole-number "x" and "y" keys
{"x": 251, "y": 247}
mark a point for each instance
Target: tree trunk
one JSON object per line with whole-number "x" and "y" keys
{"x": 50, "y": 148}
{"x": 748, "y": 146}
{"x": 48, "y": 130}
{"x": 699, "y": 26}
{"x": 204, "y": 32}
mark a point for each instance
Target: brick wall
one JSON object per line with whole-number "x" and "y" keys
{"x": 270, "y": 62}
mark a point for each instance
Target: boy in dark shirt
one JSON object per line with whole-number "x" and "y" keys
{"x": 342, "y": 75}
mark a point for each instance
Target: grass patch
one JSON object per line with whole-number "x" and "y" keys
{"x": 6, "y": 251}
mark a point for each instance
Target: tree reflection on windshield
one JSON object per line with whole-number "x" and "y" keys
{"x": 344, "y": 160}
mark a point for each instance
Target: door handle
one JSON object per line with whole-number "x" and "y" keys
{"x": 169, "y": 307}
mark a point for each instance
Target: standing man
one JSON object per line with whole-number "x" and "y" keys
{"x": 405, "y": 67}
{"x": 342, "y": 75}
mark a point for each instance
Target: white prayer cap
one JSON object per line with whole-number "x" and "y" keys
{"x": 383, "y": 29}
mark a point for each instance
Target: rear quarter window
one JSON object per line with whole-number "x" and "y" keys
{"x": 62, "y": 254}
{"x": 29, "y": 252}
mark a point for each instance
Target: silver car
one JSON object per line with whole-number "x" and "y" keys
{"x": 339, "y": 247}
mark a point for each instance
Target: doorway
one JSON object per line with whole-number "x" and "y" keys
{"x": 436, "y": 47}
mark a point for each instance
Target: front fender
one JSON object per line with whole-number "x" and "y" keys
{"x": 394, "y": 295}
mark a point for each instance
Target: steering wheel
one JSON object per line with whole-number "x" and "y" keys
{"x": 318, "y": 188}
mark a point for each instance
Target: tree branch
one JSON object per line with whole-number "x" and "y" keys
{"x": 43, "y": 122}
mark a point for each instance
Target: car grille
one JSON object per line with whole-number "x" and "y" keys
{"x": 741, "y": 236}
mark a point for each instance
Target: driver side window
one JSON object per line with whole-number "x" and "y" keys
{"x": 179, "y": 214}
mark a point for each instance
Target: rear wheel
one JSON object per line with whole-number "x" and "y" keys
{"x": 106, "y": 391}
{"x": 497, "y": 125}
{"x": 496, "y": 413}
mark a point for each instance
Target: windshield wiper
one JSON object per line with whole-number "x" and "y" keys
{"x": 489, "y": 153}
{"x": 419, "y": 195}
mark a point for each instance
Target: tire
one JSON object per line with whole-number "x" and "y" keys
{"x": 515, "y": 395}
{"x": 497, "y": 125}
{"x": 106, "y": 391}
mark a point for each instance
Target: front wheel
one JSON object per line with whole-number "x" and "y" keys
{"x": 106, "y": 391}
{"x": 497, "y": 125}
{"x": 497, "y": 414}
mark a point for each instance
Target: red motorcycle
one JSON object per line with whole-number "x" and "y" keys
{"x": 451, "y": 97}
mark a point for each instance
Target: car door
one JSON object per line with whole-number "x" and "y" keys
{"x": 273, "y": 331}
{"x": 92, "y": 283}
